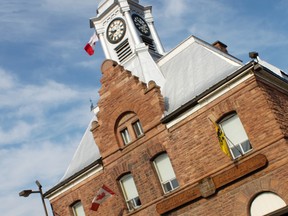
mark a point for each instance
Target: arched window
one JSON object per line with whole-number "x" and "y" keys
{"x": 130, "y": 192}
{"x": 235, "y": 135}
{"x": 78, "y": 209}
{"x": 165, "y": 173}
{"x": 128, "y": 128}
{"x": 265, "y": 203}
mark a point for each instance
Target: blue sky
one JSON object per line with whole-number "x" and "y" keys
{"x": 47, "y": 79}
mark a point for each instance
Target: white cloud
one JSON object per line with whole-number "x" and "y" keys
{"x": 13, "y": 205}
{"x": 239, "y": 27}
{"x": 19, "y": 133}
{"x": 18, "y": 16}
{"x": 37, "y": 160}
{"x": 87, "y": 64}
{"x": 7, "y": 80}
{"x": 35, "y": 19}
{"x": 175, "y": 9}
{"x": 31, "y": 110}
{"x": 42, "y": 121}
{"x": 73, "y": 5}
{"x": 241, "y": 33}
{"x": 36, "y": 140}
{"x": 45, "y": 162}
{"x": 43, "y": 95}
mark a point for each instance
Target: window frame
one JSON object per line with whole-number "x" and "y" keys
{"x": 125, "y": 135}
{"x": 76, "y": 205}
{"x": 137, "y": 127}
{"x": 265, "y": 203}
{"x": 134, "y": 202}
{"x": 128, "y": 128}
{"x": 236, "y": 150}
{"x": 168, "y": 185}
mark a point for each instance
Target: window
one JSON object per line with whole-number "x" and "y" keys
{"x": 235, "y": 135}
{"x": 137, "y": 128}
{"x": 78, "y": 209}
{"x": 165, "y": 173}
{"x": 128, "y": 128}
{"x": 265, "y": 203}
{"x": 130, "y": 192}
{"x": 125, "y": 136}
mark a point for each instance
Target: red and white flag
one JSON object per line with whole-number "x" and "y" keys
{"x": 89, "y": 48}
{"x": 103, "y": 194}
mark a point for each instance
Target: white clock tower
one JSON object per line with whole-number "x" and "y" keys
{"x": 127, "y": 35}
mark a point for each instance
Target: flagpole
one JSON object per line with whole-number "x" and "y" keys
{"x": 232, "y": 144}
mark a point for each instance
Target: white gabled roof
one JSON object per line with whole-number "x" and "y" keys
{"x": 86, "y": 153}
{"x": 191, "y": 68}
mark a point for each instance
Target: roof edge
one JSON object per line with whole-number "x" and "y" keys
{"x": 194, "y": 101}
{"x": 88, "y": 168}
{"x": 193, "y": 39}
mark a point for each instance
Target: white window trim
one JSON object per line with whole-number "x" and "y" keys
{"x": 132, "y": 202}
{"x": 265, "y": 203}
{"x": 76, "y": 206}
{"x": 125, "y": 136}
{"x": 237, "y": 146}
{"x": 164, "y": 182}
{"x": 137, "y": 127}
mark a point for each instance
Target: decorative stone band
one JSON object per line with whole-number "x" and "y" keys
{"x": 207, "y": 186}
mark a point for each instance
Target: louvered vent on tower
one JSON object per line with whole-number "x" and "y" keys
{"x": 149, "y": 42}
{"x": 123, "y": 50}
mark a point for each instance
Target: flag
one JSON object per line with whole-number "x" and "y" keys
{"x": 103, "y": 194}
{"x": 89, "y": 48}
{"x": 222, "y": 141}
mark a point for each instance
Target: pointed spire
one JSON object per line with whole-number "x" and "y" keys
{"x": 91, "y": 105}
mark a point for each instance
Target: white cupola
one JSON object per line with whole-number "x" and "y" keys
{"x": 127, "y": 35}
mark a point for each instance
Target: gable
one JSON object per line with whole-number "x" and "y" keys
{"x": 120, "y": 93}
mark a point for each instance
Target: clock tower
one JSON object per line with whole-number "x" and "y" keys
{"x": 127, "y": 35}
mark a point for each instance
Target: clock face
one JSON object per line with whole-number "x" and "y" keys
{"x": 141, "y": 25}
{"x": 116, "y": 30}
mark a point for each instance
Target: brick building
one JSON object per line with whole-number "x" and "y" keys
{"x": 190, "y": 132}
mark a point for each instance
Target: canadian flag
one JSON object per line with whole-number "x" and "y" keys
{"x": 89, "y": 48}
{"x": 103, "y": 194}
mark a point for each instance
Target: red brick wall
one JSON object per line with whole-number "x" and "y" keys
{"x": 278, "y": 101}
{"x": 192, "y": 146}
{"x": 121, "y": 92}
